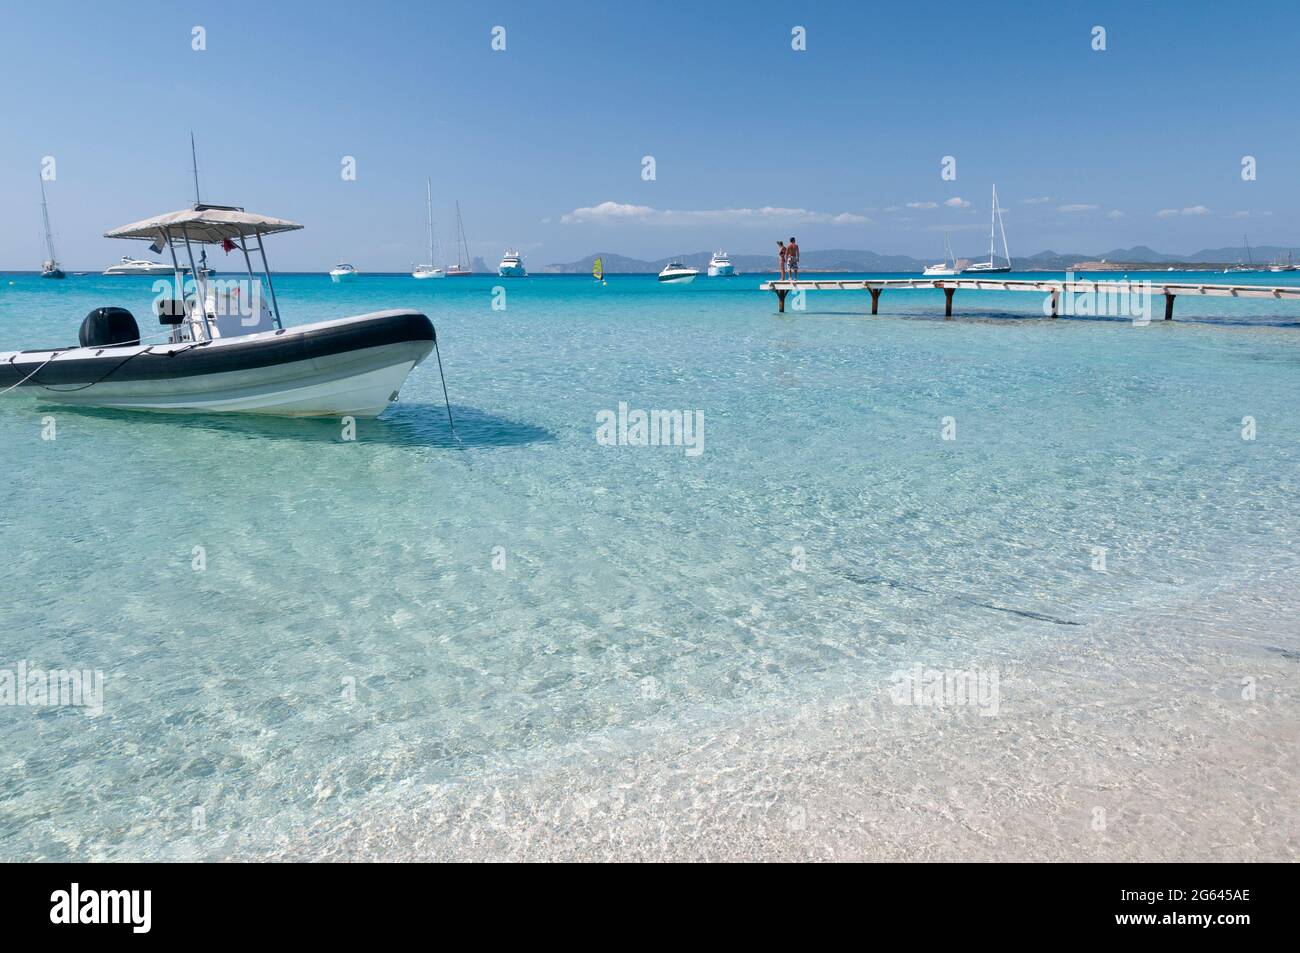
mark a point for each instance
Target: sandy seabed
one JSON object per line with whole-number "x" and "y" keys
{"x": 1173, "y": 737}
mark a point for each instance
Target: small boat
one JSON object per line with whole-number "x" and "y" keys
{"x": 677, "y": 274}
{"x": 139, "y": 266}
{"x": 512, "y": 266}
{"x": 430, "y": 270}
{"x": 464, "y": 267}
{"x": 1243, "y": 267}
{"x": 50, "y": 267}
{"x": 720, "y": 266}
{"x": 342, "y": 272}
{"x": 995, "y": 224}
{"x": 224, "y": 348}
{"x": 949, "y": 267}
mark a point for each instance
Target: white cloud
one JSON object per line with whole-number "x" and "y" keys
{"x": 1196, "y": 210}
{"x": 614, "y": 213}
{"x": 957, "y": 202}
{"x": 1189, "y": 210}
{"x": 922, "y": 204}
{"x": 1077, "y": 207}
{"x": 1041, "y": 200}
{"x": 1245, "y": 214}
{"x": 1115, "y": 213}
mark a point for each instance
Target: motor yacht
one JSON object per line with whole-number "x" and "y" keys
{"x": 720, "y": 266}
{"x": 512, "y": 266}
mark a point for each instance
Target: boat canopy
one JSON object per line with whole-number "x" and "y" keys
{"x": 205, "y": 224}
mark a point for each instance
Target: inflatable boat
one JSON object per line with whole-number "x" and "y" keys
{"x": 220, "y": 344}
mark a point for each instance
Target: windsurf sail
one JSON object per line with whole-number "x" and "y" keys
{"x": 598, "y": 270}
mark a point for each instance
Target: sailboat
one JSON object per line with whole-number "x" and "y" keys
{"x": 431, "y": 270}
{"x": 598, "y": 270}
{"x": 1249, "y": 264}
{"x": 50, "y": 267}
{"x": 948, "y": 267}
{"x": 995, "y": 226}
{"x": 463, "y": 267}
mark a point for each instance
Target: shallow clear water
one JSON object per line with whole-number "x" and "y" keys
{"x": 350, "y": 632}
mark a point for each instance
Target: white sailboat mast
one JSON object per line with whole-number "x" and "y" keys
{"x": 993, "y": 222}
{"x": 45, "y": 217}
{"x": 460, "y": 230}
{"x": 428, "y": 199}
{"x": 1002, "y": 228}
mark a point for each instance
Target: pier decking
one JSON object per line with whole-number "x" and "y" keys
{"x": 1054, "y": 287}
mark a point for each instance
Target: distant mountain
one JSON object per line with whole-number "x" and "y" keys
{"x": 849, "y": 260}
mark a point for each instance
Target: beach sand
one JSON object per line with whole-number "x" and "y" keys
{"x": 1172, "y": 737}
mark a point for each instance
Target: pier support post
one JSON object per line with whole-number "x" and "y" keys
{"x": 875, "y": 300}
{"x": 947, "y": 303}
{"x": 780, "y": 300}
{"x": 1169, "y": 306}
{"x": 1056, "y": 297}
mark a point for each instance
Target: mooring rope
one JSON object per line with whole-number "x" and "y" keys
{"x": 445, "y": 399}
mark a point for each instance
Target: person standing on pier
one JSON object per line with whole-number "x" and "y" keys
{"x": 780, "y": 253}
{"x": 792, "y": 258}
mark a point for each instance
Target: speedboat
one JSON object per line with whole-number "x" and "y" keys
{"x": 138, "y": 266}
{"x": 677, "y": 274}
{"x": 720, "y": 266}
{"x": 342, "y": 272}
{"x": 222, "y": 345}
{"x": 512, "y": 266}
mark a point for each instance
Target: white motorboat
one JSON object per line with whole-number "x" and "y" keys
{"x": 50, "y": 267}
{"x": 431, "y": 270}
{"x": 677, "y": 274}
{"x": 224, "y": 347}
{"x": 993, "y": 266}
{"x": 948, "y": 267}
{"x": 720, "y": 266}
{"x": 138, "y": 266}
{"x": 512, "y": 266}
{"x": 342, "y": 272}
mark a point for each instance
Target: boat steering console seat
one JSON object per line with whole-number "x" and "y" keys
{"x": 109, "y": 327}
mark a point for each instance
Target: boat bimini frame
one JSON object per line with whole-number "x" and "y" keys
{"x": 202, "y": 224}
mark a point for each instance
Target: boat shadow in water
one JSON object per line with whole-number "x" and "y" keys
{"x": 402, "y": 425}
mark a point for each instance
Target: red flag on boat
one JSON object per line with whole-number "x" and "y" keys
{"x": 227, "y": 245}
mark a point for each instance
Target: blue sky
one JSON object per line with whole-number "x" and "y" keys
{"x": 1141, "y": 143}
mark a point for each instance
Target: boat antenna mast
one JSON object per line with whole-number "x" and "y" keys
{"x": 194, "y": 167}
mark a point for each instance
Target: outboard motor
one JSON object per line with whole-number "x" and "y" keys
{"x": 109, "y": 327}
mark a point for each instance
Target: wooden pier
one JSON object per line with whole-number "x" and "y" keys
{"x": 1052, "y": 287}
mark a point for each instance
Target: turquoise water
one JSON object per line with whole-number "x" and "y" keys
{"x": 351, "y": 635}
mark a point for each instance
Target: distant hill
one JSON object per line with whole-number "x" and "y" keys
{"x": 850, "y": 260}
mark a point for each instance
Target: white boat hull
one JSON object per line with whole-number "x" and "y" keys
{"x": 358, "y": 381}
{"x": 723, "y": 271}
{"x": 429, "y": 274}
